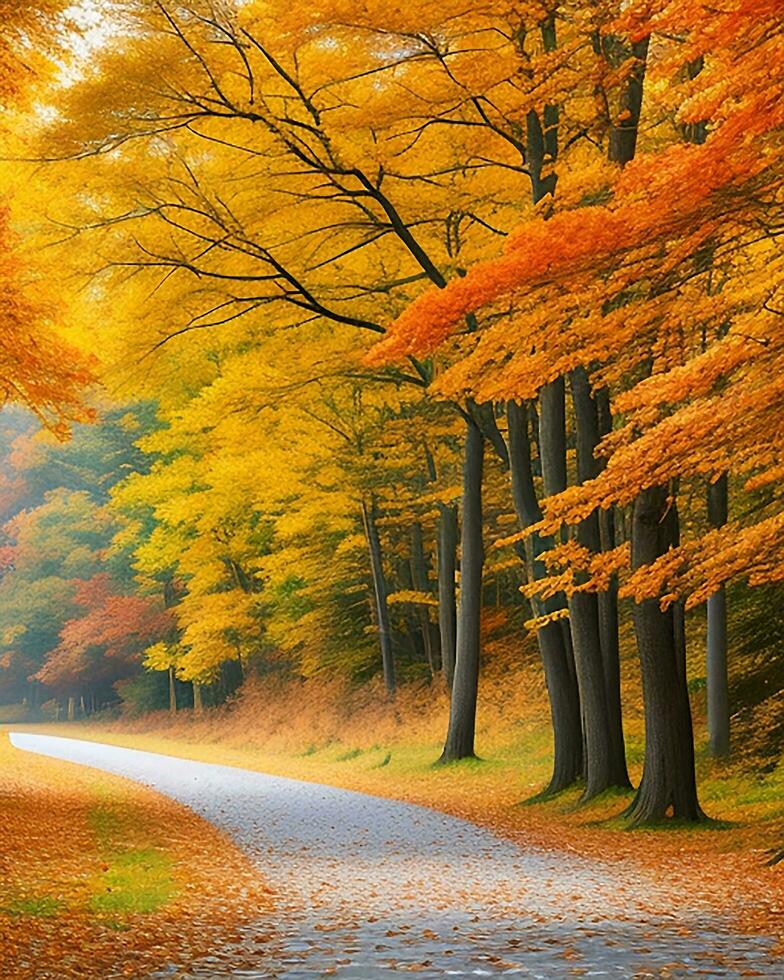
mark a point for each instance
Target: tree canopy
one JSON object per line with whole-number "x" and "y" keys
{"x": 385, "y": 331}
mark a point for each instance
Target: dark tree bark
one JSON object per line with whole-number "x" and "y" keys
{"x": 552, "y": 436}
{"x": 668, "y": 784}
{"x": 552, "y": 452}
{"x": 554, "y": 641}
{"x": 172, "y": 693}
{"x": 198, "y": 705}
{"x": 559, "y": 677}
{"x": 608, "y": 603}
{"x": 408, "y": 632}
{"x": 623, "y": 135}
{"x": 447, "y": 606}
{"x": 551, "y": 112}
{"x": 421, "y": 581}
{"x": 605, "y": 762}
{"x": 484, "y": 416}
{"x": 380, "y": 593}
{"x": 446, "y": 560}
{"x": 462, "y": 716}
{"x": 672, "y": 528}
{"x": 541, "y": 140}
{"x": 610, "y": 644}
{"x": 592, "y": 622}
{"x": 535, "y": 143}
{"x": 716, "y": 666}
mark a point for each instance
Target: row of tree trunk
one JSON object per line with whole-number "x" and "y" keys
{"x": 580, "y": 650}
{"x": 579, "y": 645}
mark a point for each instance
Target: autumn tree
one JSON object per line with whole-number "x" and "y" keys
{"x": 270, "y": 186}
{"x": 57, "y": 546}
{"x": 288, "y": 96}
{"x": 674, "y": 422}
{"x": 37, "y": 367}
{"x": 103, "y": 643}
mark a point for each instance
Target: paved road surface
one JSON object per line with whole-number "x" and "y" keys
{"x": 370, "y": 889}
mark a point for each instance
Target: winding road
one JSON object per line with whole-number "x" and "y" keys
{"x": 368, "y": 888}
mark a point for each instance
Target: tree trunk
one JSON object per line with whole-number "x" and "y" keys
{"x": 172, "y": 693}
{"x": 584, "y": 624}
{"x": 541, "y": 142}
{"x": 71, "y": 709}
{"x": 623, "y": 135}
{"x": 447, "y": 606}
{"x": 554, "y": 642}
{"x": 552, "y": 450}
{"x": 668, "y": 784}
{"x": 462, "y": 715}
{"x": 716, "y": 667}
{"x": 611, "y": 662}
{"x": 409, "y": 632}
{"x": 446, "y": 547}
{"x": 380, "y": 592}
{"x": 559, "y": 677}
{"x": 421, "y": 581}
{"x": 608, "y": 606}
{"x": 197, "y": 702}
{"x": 605, "y": 763}
{"x": 35, "y": 696}
{"x": 552, "y": 436}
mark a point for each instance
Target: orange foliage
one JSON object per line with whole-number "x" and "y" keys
{"x": 118, "y": 625}
{"x": 676, "y": 277}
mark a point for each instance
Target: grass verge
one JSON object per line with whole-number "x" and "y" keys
{"x": 102, "y": 877}
{"x": 389, "y": 751}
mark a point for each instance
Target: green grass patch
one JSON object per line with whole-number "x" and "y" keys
{"x": 137, "y": 881}
{"x": 105, "y": 823}
{"x": 470, "y": 764}
{"x": 348, "y": 755}
{"x": 42, "y": 907}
